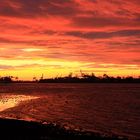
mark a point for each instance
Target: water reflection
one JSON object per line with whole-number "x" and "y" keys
{"x": 9, "y": 101}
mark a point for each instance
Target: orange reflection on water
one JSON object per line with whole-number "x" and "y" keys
{"x": 9, "y": 101}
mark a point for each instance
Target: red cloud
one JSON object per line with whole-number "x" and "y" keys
{"x": 97, "y": 31}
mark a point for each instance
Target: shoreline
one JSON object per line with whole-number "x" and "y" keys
{"x": 31, "y": 130}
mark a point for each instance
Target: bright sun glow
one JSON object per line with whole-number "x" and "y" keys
{"x": 31, "y": 50}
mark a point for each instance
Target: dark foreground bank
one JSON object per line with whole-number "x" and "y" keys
{"x": 23, "y": 130}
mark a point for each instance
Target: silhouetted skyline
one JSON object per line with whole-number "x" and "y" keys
{"x": 84, "y": 78}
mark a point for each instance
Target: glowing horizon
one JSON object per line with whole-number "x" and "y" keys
{"x": 56, "y": 37}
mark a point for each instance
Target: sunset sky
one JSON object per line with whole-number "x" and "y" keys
{"x": 56, "y": 37}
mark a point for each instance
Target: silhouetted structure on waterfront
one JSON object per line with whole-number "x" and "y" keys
{"x": 91, "y": 78}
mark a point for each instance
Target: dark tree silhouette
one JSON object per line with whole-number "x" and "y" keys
{"x": 6, "y": 79}
{"x": 91, "y": 78}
